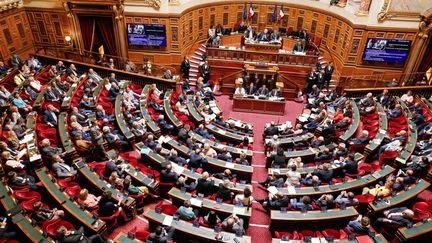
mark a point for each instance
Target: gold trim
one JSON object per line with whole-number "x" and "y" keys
{"x": 387, "y": 14}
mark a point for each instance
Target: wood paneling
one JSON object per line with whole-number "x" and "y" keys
{"x": 15, "y": 34}
{"x": 49, "y": 27}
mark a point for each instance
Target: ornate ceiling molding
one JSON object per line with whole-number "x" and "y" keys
{"x": 389, "y": 13}
{"x": 145, "y": 3}
{"x": 10, "y": 4}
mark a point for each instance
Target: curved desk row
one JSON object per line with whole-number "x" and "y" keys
{"x": 144, "y": 111}
{"x": 383, "y": 126}
{"x": 354, "y": 125}
{"x": 405, "y": 154}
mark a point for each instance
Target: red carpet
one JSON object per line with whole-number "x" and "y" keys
{"x": 260, "y": 220}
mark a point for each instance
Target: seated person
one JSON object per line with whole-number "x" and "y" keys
{"x": 362, "y": 140}
{"x": 325, "y": 155}
{"x": 275, "y": 202}
{"x": 305, "y": 203}
{"x": 149, "y": 142}
{"x": 326, "y": 200}
{"x": 347, "y": 198}
{"x": 379, "y": 190}
{"x": 205, "y": 185}
{"x": 88, "y": 200}
{"x": 113, "y": 139}
{"x": 50, "y": 116}
{"x": 324, "y": 173}
{"x": 186, "y": 212}
{"x": 311, "y": 180}
{"x": 63, "y": 235}
{"x": 245, "y": 199}
{"x": 61, "y": 169}
{"x": 41, "y": 214}
{"x": 181, "y": 183}
{"x": 361, "y": 227}
{"x": 225, "y": 175}
{"x": 50, "y": 96}
{"x": 242, "y": 159}
{"x": 21, "y": 180}
{"x": 167, "y": 175}
{"x": 173, "y": 156}
{"x": 196, "y": 159}
{"x": 273, "y": 180}
{"x": 49, "y": 150}
{"x": 224, "y": 155}
{"x": 162, "y": 234}
{"x": 13, "y": 162}
{"x": 293, "y": 176}
{"x": 224, "y": 192}
{"x": 233, "y": 224}
{"x": 212, "y": 219}
{"x": 263, "y": 91}
{"x": 400, "y": 217}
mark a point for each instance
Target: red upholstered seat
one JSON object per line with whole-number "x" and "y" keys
{"x": 27, "y": 195}
{"x": 166, "y": 208}
{"x": 293, "y": 236}
{"x": 305, "y": 233}
{"x": 111, "y": 221}
{"x": 334, "y": 233}
{"x": 388, "y": 155}
{"x": 421, "y": 207}
{"x": 28, "y": 205}
{"x": 367, "y": 198}
{"x": 51, "y": 228}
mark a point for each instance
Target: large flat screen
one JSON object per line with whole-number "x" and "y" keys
{"x": 386, "y": 50}
{"x": 146, "y": 34}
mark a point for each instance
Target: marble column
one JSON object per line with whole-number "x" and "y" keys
{"x": 364, "y": 7}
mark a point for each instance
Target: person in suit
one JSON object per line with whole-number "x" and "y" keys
{"x": 350, "y": 166}
{"x": 363, "y": 139}
{"x": 328, "y": 72}
{"x": 50, "y": 96}
{"x": 64, "y": 235}
{"x": 224, "y": 192}
{"x": 205, "y": 72}
{"x": 163, "y": 124}
{"x": 113, "y": 92}
{"x": 49, "y": 150}
{"x": 250, "y": 33}
{"x": 50, "y": 116}
{"x": 400, "y": 217}
{"x": 41, "y": 214}
{"x": 233, "y": 224}
{"x": 205, "y": 185}
{"x": 263, "y": 91}
{"x": 3, "y": 68}
{"x": 185, "y": 67}
{"x": 216, "y": 41}
{"x": 275, "y": 202}
{"x": 250, "y": 90}
{"x": 16, "y": 60}
{"x": 108, "y": 207}
{"x": 303, "y": 35}
{"x": 396, "y": 112}
{"x": 196, "y": 159}
{"x": 279, "y": 159}
{"x": 384, "y": 98}
{"x": 186, "y": 212}
{"x": 167, "y": 175}
{"x": 298, "y": 47}
{"x": 311, "y": 80}
{"x": 183, "y": 136}
{"x": 274, "y": 180}
{"x": 21, "y": 180}
{"x": 162, "y": 234}
{"x": 61, "y": 169}
{"x": 264, "y": 36}
{"x": 60, "y": 67}
{"x": 276, "y": 92}
{"x": 20, "y": 128}
{"x": 72, "y": 70}
{"x": 361, "y": 227}
{"x": 324, "y": 173}
{"x": 320, "y": 79}
{"x": 93, "y": 75}
{"x": 347, "y": 198}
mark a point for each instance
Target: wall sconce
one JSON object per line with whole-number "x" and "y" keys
{"x": 68, "y": 40}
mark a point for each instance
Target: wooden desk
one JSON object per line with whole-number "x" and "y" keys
{"x": 33, "y": 233}
{"x": 169, "y": 112}
{"x": 379, "y": 238}
{"x": 65, "y": 138}
{"x": 338, "y": 187}
{"x": 296, "y": 218}
{"x": 216, "y": 165}
{"x": 95, "y": 225}
{"x": 228, "y": 135}
{"x": 190, "y": 104}
{"x": 400, "y": 197}
{"x": 141, "y": 179}
{"x": 405, "y": 154}
{"x": 70, "y": 94}
{"x": 157, "y": 160}
{"x": 259, "y": 106}
{"x": 201, "y": 233}
{"x": 235, "y": 152}
{"x": 144, "y": 111}
{"x": 420, "y": 231}
{"x": 383, "y": 125}
{"x": 124, "y": 128}
{"x": 123, "y": 238}
{"x": 208, "y": 204}
{"x": 262, "y": 47}
{"x": 354, "y": 125}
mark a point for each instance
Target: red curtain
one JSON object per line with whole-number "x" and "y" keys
{"x": 427, "y": 58}
{"x": 87, "y": 24}
{"x": 106, "y": 30}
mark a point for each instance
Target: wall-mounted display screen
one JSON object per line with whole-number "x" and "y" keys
{"x": 386, "y": 50}
{"x": 146, "y": 34}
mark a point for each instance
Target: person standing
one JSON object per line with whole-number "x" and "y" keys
{"x": 185, "y": 67}
{"x": 328, "y": 72}
{"x": 205, "y": 72}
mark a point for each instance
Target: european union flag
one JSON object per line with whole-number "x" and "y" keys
{"x": 275, "y": 15}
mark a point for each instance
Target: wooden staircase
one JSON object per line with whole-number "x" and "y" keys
{"x": 196, "y": 61}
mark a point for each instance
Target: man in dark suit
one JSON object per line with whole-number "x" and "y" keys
{"x": 311, "y": 80}
{"x": 21, "y": 180}
{"x": 276, "y": 92}
{"x": 64, "y": 235}
{"x": 162, "y": 235}
{"x": 205, "y": 72}
{"x": 304, "y": 35}
{"x": 328, "y": 72}
{"x": 113, "y": 92}
{"x": 396, "y": 112}
{"x": 298, "y": 47}
{"x": 400, "y": 217}
{"x": 361, "y": 227}
{"x": 72, "y": 70}
{"x": 324, "y": 173}
{"x": 363, "y": 139}
{"x": 205, "y": 185}
{"x": 271, "y": 130}
{"x": 263, "y": 91}
{"x": 113, "y": 79}
{"x": 167, "y": 175}
{"x": 196, "y": 160}
{"x": 50, "y": 116}
{"x": 50, "y": 96}
{"x": 185, "y": 67}
{"x": 263, "y": 36}
{"x": 275, "y": 202}
{"x": 49, "y": 150}
{"x": 183, "y": 136}
{"x": 250, "y": 90}
{"x": 16, "y": 60}
{"x": 320, "y": 79}
{"x": 350, "y": 166}
{"x": 250, "y": 33}
{"x": 60, "y": 67}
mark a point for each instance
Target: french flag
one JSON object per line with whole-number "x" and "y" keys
{"x": 281, "y": 13}
{"x": 251, "y": 11}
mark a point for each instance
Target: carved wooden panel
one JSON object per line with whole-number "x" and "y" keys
{"x": 15, "y": 33}
{"x": 49, "y": 27}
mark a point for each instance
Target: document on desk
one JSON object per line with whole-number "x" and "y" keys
{"x": 275, "y": 171}
{"x": 196, "y": 202}
{"x": 272, "y": 190}
{"x": 291, "y": 190}
{"x": 145, "y": 151}
{"x": 229, "y": 165}
{"x": 238, "y": 210}
{"x": 167, "y": 220}
{"x": 177, "y": 169}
